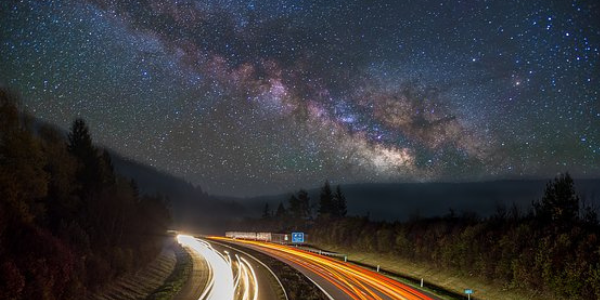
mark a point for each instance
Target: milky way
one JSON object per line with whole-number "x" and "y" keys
{"x": 259, "y": 97}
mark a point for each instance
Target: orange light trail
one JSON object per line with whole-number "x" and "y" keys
{"x": 356, "y": 282}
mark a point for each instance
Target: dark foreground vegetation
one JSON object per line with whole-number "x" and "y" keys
{"x": 68, "y": 223}
{"x": 553, "y": 248}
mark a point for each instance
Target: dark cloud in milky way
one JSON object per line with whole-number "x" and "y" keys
{"x": 251, "y": 97}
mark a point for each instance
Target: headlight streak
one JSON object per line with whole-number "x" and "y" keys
{"x": 222, "y": 284}
{"x": 247, "y": 283}
{"x": 358, "y": 283}
{"x": 270, "y": 271}
{"x": 252, "y": 277}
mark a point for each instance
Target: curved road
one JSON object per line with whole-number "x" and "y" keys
{"x": 198, "y": 280}
{"x": 223, "y": 273}
{"x": 339, "y": 280}
{"x": 268, "y": 286}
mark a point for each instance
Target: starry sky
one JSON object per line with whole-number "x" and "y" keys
{"x": 249, "y": 97}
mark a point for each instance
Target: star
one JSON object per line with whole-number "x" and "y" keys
{"x": 245, "y": 97}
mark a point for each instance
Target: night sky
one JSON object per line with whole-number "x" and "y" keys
{"x": 258, "y": 97}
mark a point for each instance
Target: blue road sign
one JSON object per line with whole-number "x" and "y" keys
{"x": 297, "y": 237}
{"x": 468, "y": 292}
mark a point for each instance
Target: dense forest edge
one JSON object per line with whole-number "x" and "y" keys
{"x": 68, "y": 222}
{"x": 552, "y": 248}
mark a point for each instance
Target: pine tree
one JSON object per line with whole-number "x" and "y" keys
{"x": 80, "y": 141}
{"x": 295, "y": 210}
{"x": 90, "y": 173}
{"x": 107, "y": 170}
{"x": 266, "y": 212}
{"x": 304, "y": 200}
{"x": 326, "y": 204}
{"x": 560, "y": 202}
{"x": 280, "y": 213}
{"x": 300, "y": 206}
{"x": 339, "y": 203}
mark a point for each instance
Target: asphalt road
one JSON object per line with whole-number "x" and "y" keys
{"x": 223, "y": 273}
{"x": 268, "y": 287}
{"x": 340, "y": 280}
{"x": 198, "y": 280}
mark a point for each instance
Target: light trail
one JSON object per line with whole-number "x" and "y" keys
{"x": 222, "y": 284}
{"x": 247, "y": 283}
{"x": 356, "y": 282}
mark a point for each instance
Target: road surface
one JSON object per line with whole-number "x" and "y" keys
{"x": 232, "y": 274}
{"x": 198, "y": 279}
{"x": 339, "y": 280}
{"x": 268, "y": 286}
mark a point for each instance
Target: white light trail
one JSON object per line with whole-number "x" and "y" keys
{"x": 220, "y": 285}
{"x": 252, "y": 277}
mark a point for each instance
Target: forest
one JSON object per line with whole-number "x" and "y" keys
{"x": 68, "y": 222}
{"x": 552, "y": 248}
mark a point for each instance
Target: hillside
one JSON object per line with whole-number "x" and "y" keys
{"x": 191, "y": 207}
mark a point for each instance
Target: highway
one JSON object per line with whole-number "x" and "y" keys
{"x": 339, "y": 280}
{"x": 232, "y": 275}
{"x": 198, "y": 279}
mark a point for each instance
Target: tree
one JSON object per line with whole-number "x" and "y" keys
{"x": 80, "y": 141}
{"x": 89, "y": 171}
{"x": 23, "y": 180}
{"x": 590, "y": 216}
{"x": 107, "y": 170}
{"x": 304, "y": 200}
{"x": 61, "y": 166}
{"x": 280, "y": 212}
{"x": 300, "y": 206}
{"x": 326, "y": 205}
{"x": 339, "y": 201}
{"x": 266, "y": 212}
{"x": 294, "y": 204}
{"x": 560, "y": 202}
{"x": 54, "y": 243}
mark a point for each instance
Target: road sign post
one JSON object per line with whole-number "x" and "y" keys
{"x": 469, "y": 292}
{"x": 297, "y": 237}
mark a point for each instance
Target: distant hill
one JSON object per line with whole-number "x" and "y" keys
{"x": 192, "y": 208}
{"x": 400, "y": 201}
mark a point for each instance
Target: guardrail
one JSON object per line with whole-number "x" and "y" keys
{"x": 326, "y": 253}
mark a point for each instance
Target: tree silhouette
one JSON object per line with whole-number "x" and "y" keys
{"x": 280, "y": 212}
{"x": 68, "y": 223}
{"x": 89, "y": 170}
{"x": 326, "y": 204}
{"x": 266, "y": 212}
{"x": 339, "y": 201}
{"x": 560, "y": 202}
{"x": 80, "y": 141}
{"x": 304, "y": 201}
{"x": 300, "y": 207}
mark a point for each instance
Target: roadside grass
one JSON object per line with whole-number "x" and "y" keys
{"x": 443, "y": 283}
{"x": 175, "y": 282}
{"x": 139, "y": 284}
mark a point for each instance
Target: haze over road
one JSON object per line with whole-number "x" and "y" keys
{"x": 340, "y": 280}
